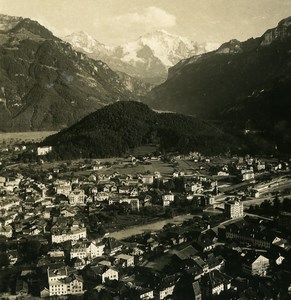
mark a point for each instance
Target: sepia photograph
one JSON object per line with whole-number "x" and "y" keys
{"x": 145, "y": 149}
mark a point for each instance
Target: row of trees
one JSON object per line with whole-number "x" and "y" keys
{"x": 272, "y": 207}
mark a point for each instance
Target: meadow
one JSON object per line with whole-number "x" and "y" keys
{"x": 18, "y": 137}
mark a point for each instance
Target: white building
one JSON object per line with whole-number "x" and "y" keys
{"x": 165, "y": 292}
{"x": 77, "y": 197}
{"x": 60, "y": 283}
{"x": 105, "y": 272}
{"x": 110, "y": 274}
{"x": 167, "y": 199}
{"x": 44, "y": 150}
{"x": 234, "y": 209}
{"x": 84, "y": 250}
{"x": 147, "y": 179}
{"x": 63, "y": 187}
{"x": 73, "y": 234}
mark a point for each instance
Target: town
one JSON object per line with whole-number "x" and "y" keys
{"x": 148, "y": 226}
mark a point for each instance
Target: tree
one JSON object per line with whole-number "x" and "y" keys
{"x": 4, "y": 260}
{"x": 276, "y": 205}
{"x": 266, "y": 206}
{"x": 91, "y": 295}
{"x": 169, "y": 213}
{"x": 101, "y": 230}
{"x": 32, "y": 250}
{"x": 286, "y": 205}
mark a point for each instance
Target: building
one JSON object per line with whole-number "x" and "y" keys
{"x": 126, "y": 260}
{"x": 167, "y": 199}
{"x": 213, "y": 283}
{"x": 247, "y": 175}
{"x": 255, "y": 264}
{"x": 60, "y": 283}
{"x": 95, "y": 249}
{"x": 87, "y": 250}
{"x": 165, "y": 291}
{"x": 77, "y": 197}
{"x": 147, "y": 179}
{"x": 133, "y": 202}
{"x": 103, "y": 273}
{"x": 143, "y": 293}
{"x": 79, "y": 251}
{"x": 72, "y": 234}
{"x": 196, "y": 291}
{"x": 44, "y": 150}
{"x": 63, "y": 187}
{"x": 6, "y": 231}
{"x": 248, "y": 233}
{"x": 234, "y": 209}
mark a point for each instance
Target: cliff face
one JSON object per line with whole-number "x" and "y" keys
{"x": 209, "y": 84}
{"x": 244, "y": 83}
{"x": 282, "y": 31}
{"x": 47, "y": 85}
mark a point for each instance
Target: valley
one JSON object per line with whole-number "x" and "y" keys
{"x": 156, "y": 167}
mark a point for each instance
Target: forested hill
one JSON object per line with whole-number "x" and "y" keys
{"x": 117, "y": 128}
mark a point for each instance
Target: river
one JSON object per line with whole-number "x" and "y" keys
{"x": 155, "y": 226}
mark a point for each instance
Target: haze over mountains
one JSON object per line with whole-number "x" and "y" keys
{"x": 47, "y": 85}
{"x": 148, "y": 57}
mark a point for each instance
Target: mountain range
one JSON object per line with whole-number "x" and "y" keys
{"x": 47, "y": 85}
{"x": 148, "y": 57}
{"x": 244, "y": 85}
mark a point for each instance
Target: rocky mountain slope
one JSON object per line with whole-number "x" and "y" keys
{"x": 149, "y": 57}
{"x": 47, "y": 85}
{"x": 246, "y": 84}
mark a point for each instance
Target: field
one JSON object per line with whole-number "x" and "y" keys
{"x": 18, "y": 137}
{"x": 164, "y": 168}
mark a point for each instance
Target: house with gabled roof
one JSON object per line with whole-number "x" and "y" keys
{"x": 166, "y": 286}
{"x": 85, "y": 249}
{"x": 104, "y": 273}
{"x": 67, "y": 212}
{"x": 185, "y": 253}
{"x": 77, "y": 197}
{"x": 112, "y": 246}
{"x": 213, "y": 283}
{"x": 255, "y": 264}
{"x": 62, "y": 283}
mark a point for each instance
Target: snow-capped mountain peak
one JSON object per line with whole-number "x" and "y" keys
{"x": 149, "y": 56}
{"x": 169, "y": 48}
{"x": 83, "y": 41}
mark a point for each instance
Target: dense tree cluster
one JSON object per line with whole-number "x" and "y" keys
{"x": 116, "y": 129}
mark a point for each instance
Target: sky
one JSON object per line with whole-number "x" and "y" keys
{"x": 115, "y": 22}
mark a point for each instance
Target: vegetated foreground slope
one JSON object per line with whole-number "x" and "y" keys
{"x": 115, "y": 129}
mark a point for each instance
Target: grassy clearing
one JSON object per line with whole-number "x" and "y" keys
{"x": 34, "y": 136}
